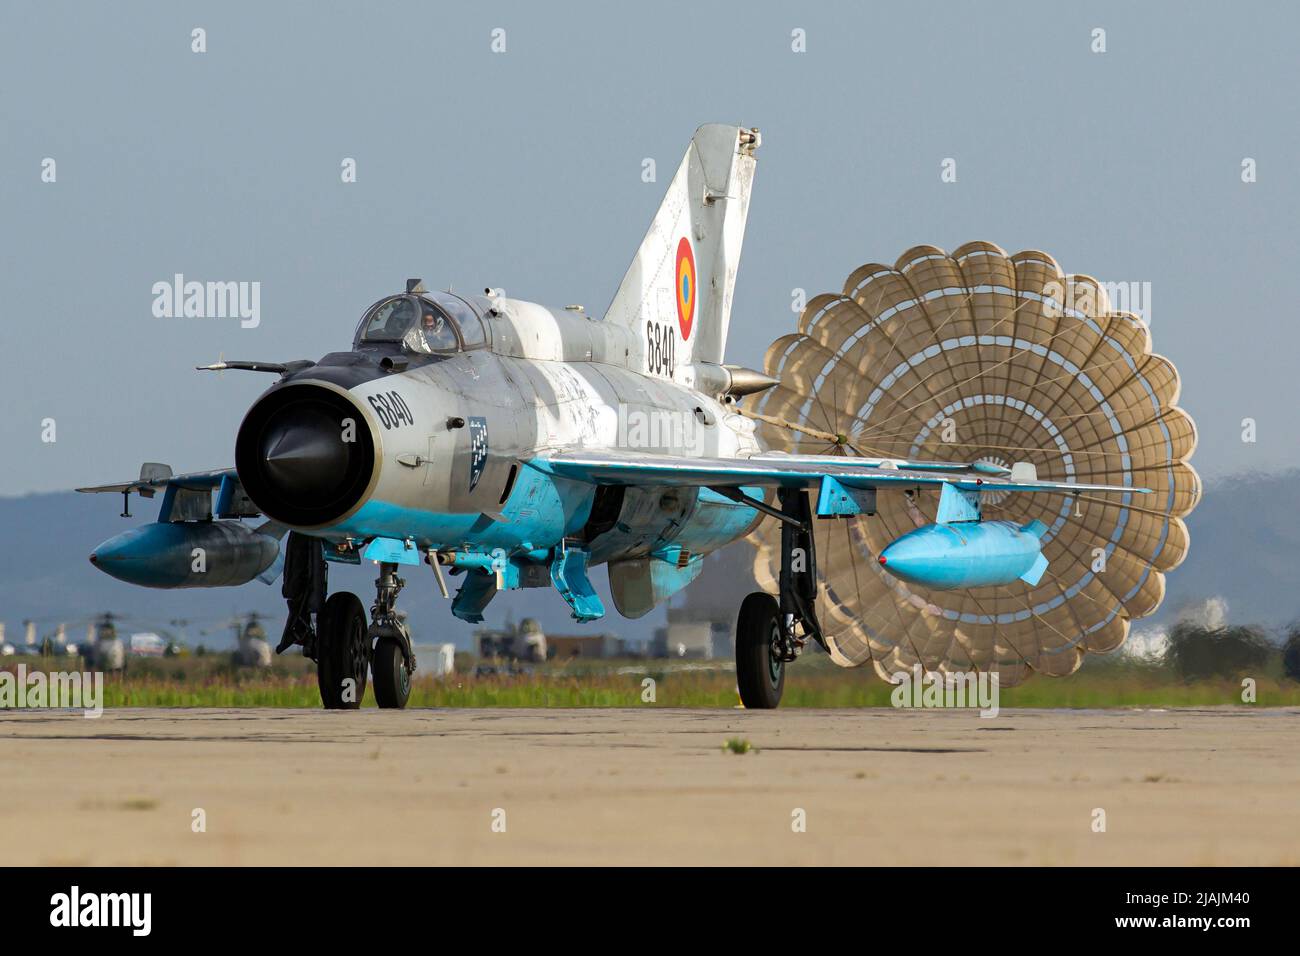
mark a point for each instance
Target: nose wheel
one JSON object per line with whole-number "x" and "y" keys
{"x": 393, "y": 661}
{"x": 392, "y": 679}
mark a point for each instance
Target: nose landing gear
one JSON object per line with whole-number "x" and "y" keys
{"x": 393, "y": 661}
{"x": 346, "y": 647}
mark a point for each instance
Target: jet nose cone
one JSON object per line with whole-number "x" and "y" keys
{"x": 94, "y": 558}
{"x": 304, "y": 454}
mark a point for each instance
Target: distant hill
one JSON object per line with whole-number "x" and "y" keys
{"x": 45, "y": 575}
{"x": 1245, "y": 549}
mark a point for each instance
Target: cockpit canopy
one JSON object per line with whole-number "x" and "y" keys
{"x": 425, "y": 323}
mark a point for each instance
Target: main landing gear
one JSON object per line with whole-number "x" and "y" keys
{"x": 343, "y": 646}
{"x": 342, "y": 652}
{"x": 772, "y": 631}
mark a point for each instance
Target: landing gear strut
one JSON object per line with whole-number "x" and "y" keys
{"x": 393, "y": 661}
{"x": 772, "y": 632}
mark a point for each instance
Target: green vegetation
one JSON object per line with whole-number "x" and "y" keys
{"x": 212, "y": 681}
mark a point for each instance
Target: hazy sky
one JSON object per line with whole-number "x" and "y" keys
{"x": 523, "y": 170}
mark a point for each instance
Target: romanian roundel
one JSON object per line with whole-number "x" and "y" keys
{"x": 685, "y": 287}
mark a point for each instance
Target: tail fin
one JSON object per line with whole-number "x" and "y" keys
{"x": 677, "y": 293}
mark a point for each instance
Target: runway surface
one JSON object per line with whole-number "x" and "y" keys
{"x": 650, "y": 786}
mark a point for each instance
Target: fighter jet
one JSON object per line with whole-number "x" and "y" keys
{"x": 513, "y": 445}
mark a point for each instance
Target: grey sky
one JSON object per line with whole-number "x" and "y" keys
{"x": 523, "y": 170}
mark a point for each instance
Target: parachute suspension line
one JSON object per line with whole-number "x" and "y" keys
{"x": 935, "y": 330}
{"x": 878, "y": 436}
{"x": 909, "y": 441}
{"x": 1159, "y": 417}
{"x": 1016, "y": 354}
{"x": 832, "y": 422}
{"x": 828, "y": 437}
{"x": 874, "y": 429}
{"x": 1085, "y": 594}
{"x": 893, "y": 344}
{"x": 925, "y": 381}
{"x": 958, "y": 444}
{"x": 993, "y": 620}
{"x": 835, "y": 420}
{"x": 838, "y": 354}
{"x": 1038, "y": 617}
{"x": 857, "y": 582}
{"x": 1037, "y": 386}
{"x": 1066, "y": 602}
{"x": 1140, "y": 509}
{"x": 898, "y": 611}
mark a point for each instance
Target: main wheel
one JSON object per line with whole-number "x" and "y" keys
{"x": 343, "y": 652}
{"x": 760, "y": 672}
{"x": 392, "y": 681}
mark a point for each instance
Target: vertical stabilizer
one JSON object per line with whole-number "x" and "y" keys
{"x": 677, "y": 293}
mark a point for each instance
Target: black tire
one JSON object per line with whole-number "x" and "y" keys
{"x": 760, "y": 675}
{"x": 392, "y": 682}
{"x": 342, "y": 651}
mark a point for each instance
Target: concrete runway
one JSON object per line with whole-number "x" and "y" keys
{"x": 650, "y": 786}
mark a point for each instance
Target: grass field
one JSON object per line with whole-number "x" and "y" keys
{"x": 213, "y": 682}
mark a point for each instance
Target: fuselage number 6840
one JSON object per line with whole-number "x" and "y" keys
{"x": 391, "y": 409}
{"x": 660, "y": 348}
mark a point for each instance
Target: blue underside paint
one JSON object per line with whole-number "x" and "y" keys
{"x": 836, "y": 499}
{"x": 392, "y": 551}
{"x": 496, "y": 552}
{"x": 957, "y": 505}
{"x": 569, "y": 575}
{"x": 542, "y": 509}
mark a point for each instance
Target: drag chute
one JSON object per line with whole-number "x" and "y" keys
{"x": 980, "y": 356}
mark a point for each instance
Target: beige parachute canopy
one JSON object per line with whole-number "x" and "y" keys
{"x": 973, "y": 356}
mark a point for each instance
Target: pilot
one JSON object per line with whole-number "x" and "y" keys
{"x": 428, "y": 335}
